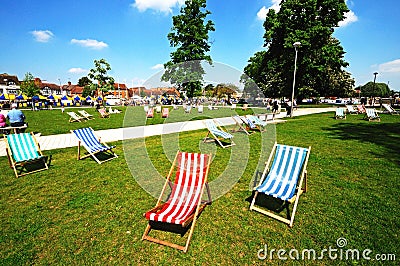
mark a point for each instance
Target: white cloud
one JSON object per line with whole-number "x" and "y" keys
{"x": 77, "y": 70}
{"x": 262, "y": 13}
{"x": 164, "y": 6}
{"x": 350, "y": 18}
{"x": 158, "y": 66}
{"x": 42, "y": 35}
{"x": 390, "y": 67}
{"x": 93, "y": 44}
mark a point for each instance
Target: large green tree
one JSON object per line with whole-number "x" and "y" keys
{"x": 189, "y": 35}
{"x": 374, "y": 89}
{"x": 29, "y": 87}
{"x": 100, "y": 74}
{"x": 320, "y": 63}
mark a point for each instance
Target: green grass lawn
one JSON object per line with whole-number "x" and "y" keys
{"x": 82, "y": 213}
{"x": 50, "y": 122}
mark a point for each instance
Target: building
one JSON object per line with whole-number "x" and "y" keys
{"x": 9, "y": 84}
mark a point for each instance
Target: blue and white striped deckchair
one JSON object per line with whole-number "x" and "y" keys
{"x": 284, "y": 180}
{"x": 340, "y": 113}
{"x": 23, "y": 149}
{"x": 243, "y": 124}
{"x": 372, "y": 115}
{"x": 92, "y": 144}
{"x": 257, "y": 121}
{"x": 218, "y": 134}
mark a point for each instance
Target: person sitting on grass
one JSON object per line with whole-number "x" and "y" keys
{"x": 16, "y": 117}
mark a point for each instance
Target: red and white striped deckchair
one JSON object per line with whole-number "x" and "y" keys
{"x": 184, "y": 203}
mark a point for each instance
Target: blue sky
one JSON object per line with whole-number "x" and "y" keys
{"x": 61, "y": 39}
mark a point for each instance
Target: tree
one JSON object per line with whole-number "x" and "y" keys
{"x": 222, "y": 90}
{"x": 189, "y": 35}
{"x": 83, "y": 81}
{"x": 99, "y": 74}
{"x": 320, "y": 63}
{"x": 378, "y": 89}
{"x": 29, "y": 87}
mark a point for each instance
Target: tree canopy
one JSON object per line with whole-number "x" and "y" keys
{"x": 378, "y": 89}
{"x": 320, "y": 63}
{"x": 28, "y": 86}
{"x": 189, "y": 35}
{"x": 99, "y": 74}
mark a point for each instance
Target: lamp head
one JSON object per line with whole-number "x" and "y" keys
{"x": 296, "y": 44}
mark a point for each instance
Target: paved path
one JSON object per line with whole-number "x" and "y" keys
{"x": 68, "y": 140}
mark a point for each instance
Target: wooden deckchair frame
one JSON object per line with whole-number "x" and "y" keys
{"x": 301, "y": 187}
{"x": 218, "y": 139}
{"x": 74, "y": 117}
{"x": 93, "y": 154}
{"x": 190, "y": 220}
{"x": 86, "y": 114}
{"x": 14, "y": 164}
{"x": 239, "y": 126}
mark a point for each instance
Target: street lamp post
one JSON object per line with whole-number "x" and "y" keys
{"x": 295, "y": 45}
{"x": 373, "y": 89}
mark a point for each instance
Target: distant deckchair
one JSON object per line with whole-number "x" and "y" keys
{"x": 23, "y": 150}
{"x": 283, "y": 179}
{"x": 361, "y": 109}
{"x": 93, "y": 145}
{"x": 218, "y": 134}
{"x": 200, "y": 109}
{"x": 389, "y": 109}
{"x": 339, "y": 113}
{"x": 103, "y": 113}
{"x": 233, "y": 106}
{"x": 184, "y": 185}
{"x": 165, "y": 112}
{"x": 243, "y": 124}
{"x": 351, "y": 109}
{"x": 188, "y": 109}
{"x": 74, "y": 117}
{"x": 86, "y": 114}
{"x": 150, "y": 113}
{"x": 372, "y": 115}
{"x": 113, "y": 111}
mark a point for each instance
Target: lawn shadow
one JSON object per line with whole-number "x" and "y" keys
{"x": 270, "y": 203}
{"x": 386, "y": 135}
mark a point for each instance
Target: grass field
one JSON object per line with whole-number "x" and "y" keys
{"x": 82, "y": 213}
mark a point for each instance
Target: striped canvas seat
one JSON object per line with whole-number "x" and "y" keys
{"x": 186, "y": 191}
{"x": 340, "y": 113}
{"x": 23, "y": 149}
{"x": 372, "y": 115}
{"x": 249, "y": 123}
{"x": 218, "y": 134}
{"x": 184, "y": 203}
{"x": 91, "y": 143}
{"x": 216, "y": 131}
{"x": 283, "y": 179}
{"x": 257, "y": 120}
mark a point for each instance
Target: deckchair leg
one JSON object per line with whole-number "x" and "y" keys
{"x": 79, "y": 150}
